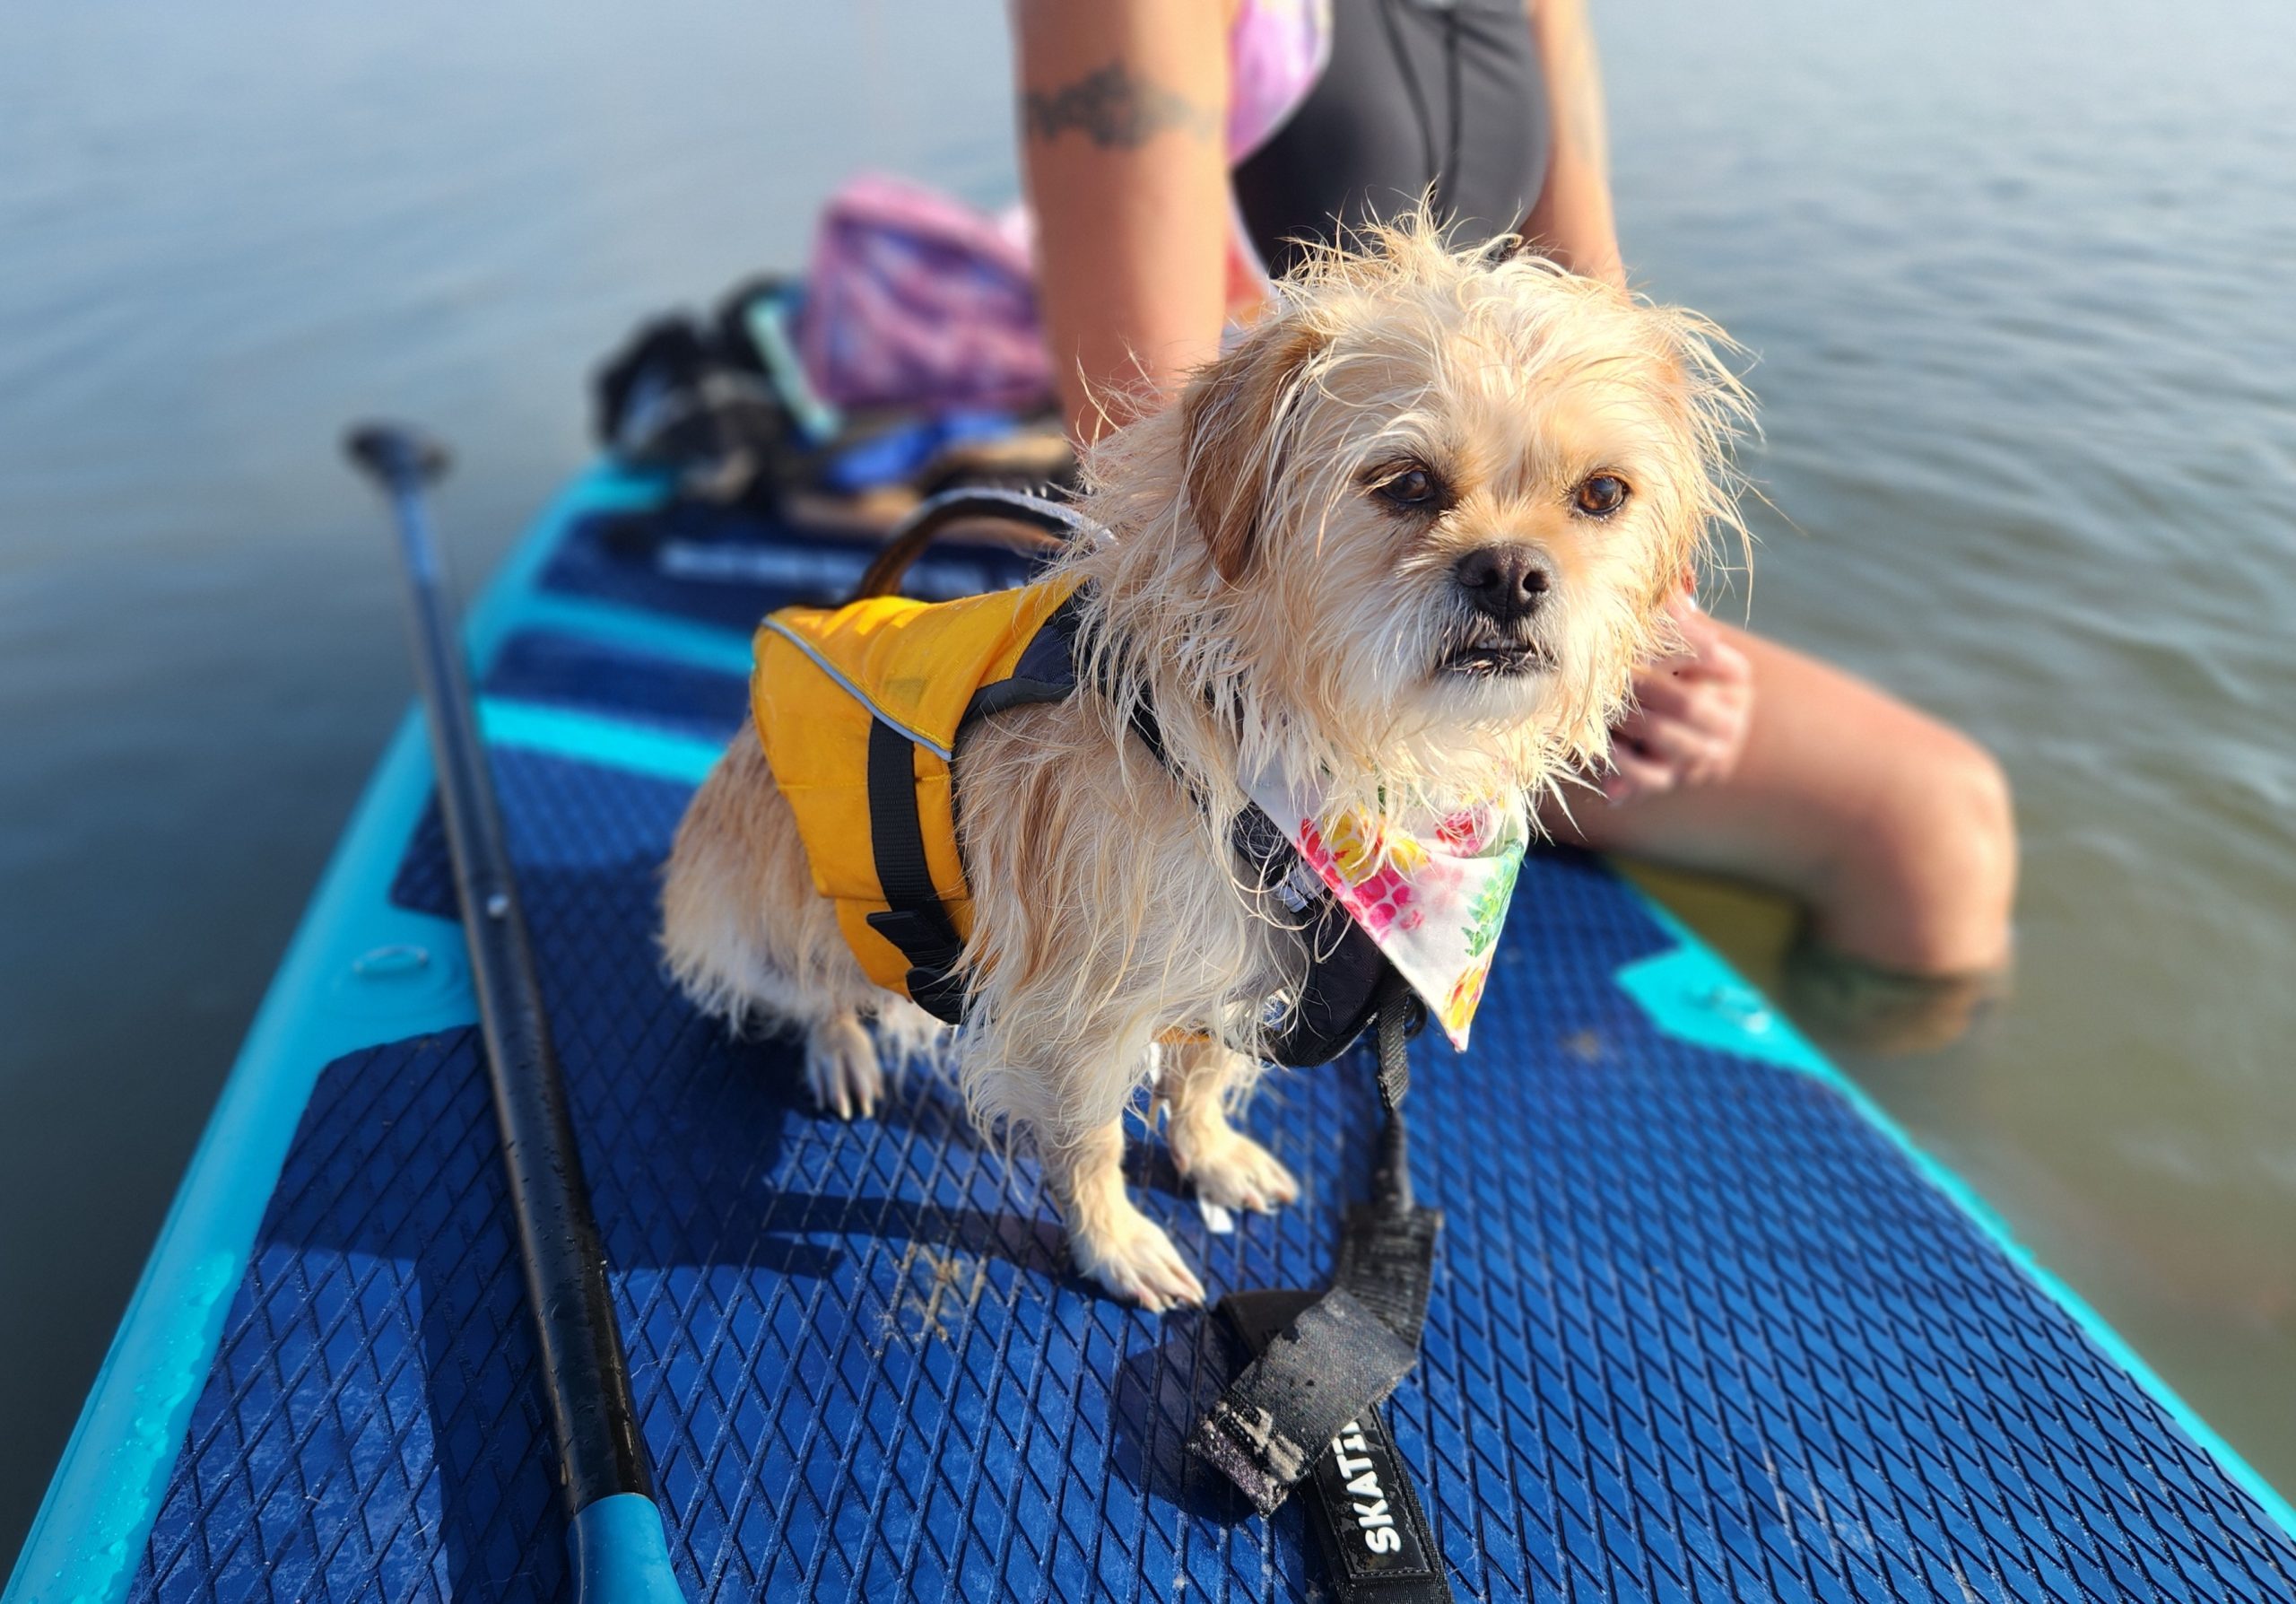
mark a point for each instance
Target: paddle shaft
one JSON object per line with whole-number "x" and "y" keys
{"x": 584, "y": 1370}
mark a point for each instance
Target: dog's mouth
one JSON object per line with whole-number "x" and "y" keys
{"x": 1497, "y": 659}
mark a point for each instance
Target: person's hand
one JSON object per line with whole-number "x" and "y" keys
{"x": 1691, "y": 715}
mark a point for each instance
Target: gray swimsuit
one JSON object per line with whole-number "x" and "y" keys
{"x": 1418, "y": 95}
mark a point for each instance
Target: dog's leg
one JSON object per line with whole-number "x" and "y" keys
{"x": 841, "y": 1065}
{"x": 1226, "y": 1166}
{"x": 746, "y": 938}
{"x": 1112, "y": 1241}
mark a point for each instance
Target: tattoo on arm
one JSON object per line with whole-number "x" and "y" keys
{"x": 1116, "y": 110}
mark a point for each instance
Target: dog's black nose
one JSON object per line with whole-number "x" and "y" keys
{"x": 1503, "y": 582}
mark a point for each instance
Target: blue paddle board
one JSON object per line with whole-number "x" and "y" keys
{"x": 1705, "y": 1326}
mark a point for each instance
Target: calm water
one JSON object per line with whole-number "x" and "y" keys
{"x": 2018, "y": 283}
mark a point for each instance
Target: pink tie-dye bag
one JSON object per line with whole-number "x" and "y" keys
{"x": 916, "y": 301}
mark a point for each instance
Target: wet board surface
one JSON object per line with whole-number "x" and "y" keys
{"x": 1703, "y": 1329}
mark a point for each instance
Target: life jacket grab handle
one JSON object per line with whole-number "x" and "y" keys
{"x": 1048, "y": 526}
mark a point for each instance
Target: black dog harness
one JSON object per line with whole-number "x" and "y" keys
{"x": 1306, "y": 1405}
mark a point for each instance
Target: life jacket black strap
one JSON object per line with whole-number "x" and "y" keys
{"x": 914, "y": 920}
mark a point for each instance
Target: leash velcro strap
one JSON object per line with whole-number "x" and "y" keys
{"x": 1342, "y": 1353}
{"x": 1376, "y": 1545}
{"x": 1331, "y": 1363}
{"x": 914, "y": 919}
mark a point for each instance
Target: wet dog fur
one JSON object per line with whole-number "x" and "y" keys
{"x": 1411, "y": 533}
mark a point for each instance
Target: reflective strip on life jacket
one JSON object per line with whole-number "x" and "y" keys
{"x": 842, "y": 698}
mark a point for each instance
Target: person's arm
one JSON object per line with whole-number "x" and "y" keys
{"x": 1572, "y": 222}
{"x": 1124, "y": 110}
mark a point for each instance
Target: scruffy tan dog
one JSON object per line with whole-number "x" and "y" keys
{"x": 1410, "y": 535}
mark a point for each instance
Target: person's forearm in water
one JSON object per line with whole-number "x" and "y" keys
{"x": 1573, "y": 223}
{"x": 1123, "y": 112}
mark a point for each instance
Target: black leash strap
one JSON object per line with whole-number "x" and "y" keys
{"x": 1369, "y": 1525}
{"x": 1305, "y": 1407}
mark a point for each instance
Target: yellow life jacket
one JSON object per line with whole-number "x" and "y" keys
{"x": 858, "y": 708}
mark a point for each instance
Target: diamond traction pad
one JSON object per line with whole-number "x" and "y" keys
{"x": 1700, "y": 1332}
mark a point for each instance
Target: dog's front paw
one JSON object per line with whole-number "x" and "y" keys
{"x": 1135, "y": 1259}
{"x": 1228, "y": 1168}
{"x": 841, "y": 1068}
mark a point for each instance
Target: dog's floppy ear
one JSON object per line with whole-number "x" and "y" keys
{"x": 1235, "y": 416}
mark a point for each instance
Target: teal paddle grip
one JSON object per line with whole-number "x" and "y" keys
{"x": 622, "y": 1556}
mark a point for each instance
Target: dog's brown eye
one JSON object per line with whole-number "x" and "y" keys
{"x": 1600, "y": 495}
{"x": 1414, "y": 487}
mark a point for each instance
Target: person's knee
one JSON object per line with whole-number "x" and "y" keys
{"x": 1929, "y": 891}
{"x": 1981, "y": 802}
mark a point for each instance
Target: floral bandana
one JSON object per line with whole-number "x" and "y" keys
{"x": 1433, "y": 897}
